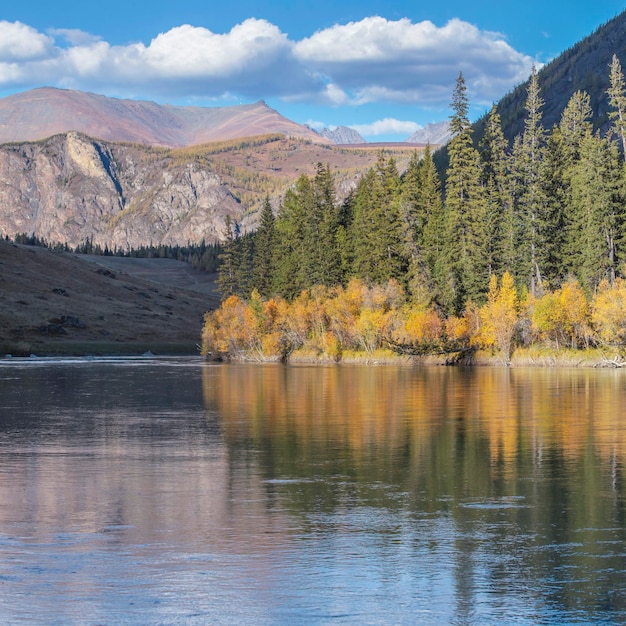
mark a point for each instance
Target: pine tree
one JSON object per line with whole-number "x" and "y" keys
{"x": 617, "y": 99}
{"x": 264, "y": 250}
{"x": 245, "y": 266}
{"x": 376, "y": 229}
{"x": 527, "y": 156}
{"x": 462, "y": 272}
{"x": 556, "y": 196}
{"x": 498, "y": 197}
{"x": 291, "y": 256}
{"x": 324, "y": 224}
{"x": 229, "y": 262}
{"x": 597, "y": 216}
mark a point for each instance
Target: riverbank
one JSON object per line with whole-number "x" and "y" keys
{"x": 536, "y": 356}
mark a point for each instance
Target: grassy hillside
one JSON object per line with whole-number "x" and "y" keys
{"x": 58, "y": 303}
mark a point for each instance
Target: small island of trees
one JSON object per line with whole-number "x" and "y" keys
{"x": 522, "y": 248}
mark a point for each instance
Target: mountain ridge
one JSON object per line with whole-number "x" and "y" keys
{"x": 41, "y": 113}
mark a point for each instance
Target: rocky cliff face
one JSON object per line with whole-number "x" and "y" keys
{"x": 434, "y": 134}
{"x": 70, "y": 188}
{"x": 342, "y": 135}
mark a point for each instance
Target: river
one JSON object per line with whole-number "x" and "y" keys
{"x": 174, "y": 491}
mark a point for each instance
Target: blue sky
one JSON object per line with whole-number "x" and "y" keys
{"x": 384, "y": 68}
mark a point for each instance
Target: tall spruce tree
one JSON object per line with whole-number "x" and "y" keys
{"x": 463, "y": 270}
{"x": 292, "y": 258}
{"x": 597, "y": 218}
{"x": 264, "y": 250}
{"x": 376, "y": 228}
{"x": 500, "y": 223}
{"x": 324, "y": 222}
{"x": 617, "y": 99}
{"x": 527, "y": 156}
{"x": 229, "y": 261}
{"x": 415, "y": 208}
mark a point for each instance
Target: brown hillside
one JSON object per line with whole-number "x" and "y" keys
{"x": 56, "y": 303}
{"x": 44, "y": 112}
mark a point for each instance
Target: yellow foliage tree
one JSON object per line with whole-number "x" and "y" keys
{"x": 563, "y": 316}
{"x": 499, "y": 316}
{"x": 608, "y": 313}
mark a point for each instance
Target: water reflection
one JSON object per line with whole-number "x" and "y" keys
{"x": 174, "y": 491}
{"x": 514, "y": 478}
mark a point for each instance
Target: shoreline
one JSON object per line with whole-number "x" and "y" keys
{"x": 100, "y": 348}
{"x": 522, "y": 357}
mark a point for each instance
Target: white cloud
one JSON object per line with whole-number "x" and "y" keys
{"x": 382, "y": 60}
{"x": 20, "y": 43}
{"x": 374, "y": 60}
{"x": 388, "y": 126}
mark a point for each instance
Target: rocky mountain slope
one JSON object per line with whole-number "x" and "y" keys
{"x": 71, "y": 188}
{"x": 41, "y": 113}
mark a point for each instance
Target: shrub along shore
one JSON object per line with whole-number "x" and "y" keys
{"x": 378, "y": 324}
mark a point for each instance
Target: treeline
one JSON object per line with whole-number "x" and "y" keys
{"x": 547, "y": 211}
{"x": 201, "y": 256}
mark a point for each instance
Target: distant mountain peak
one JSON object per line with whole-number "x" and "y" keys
{"x": 437, "y": 133}
{"x": 46, "y": 111}
{"x": 341, "y": 135}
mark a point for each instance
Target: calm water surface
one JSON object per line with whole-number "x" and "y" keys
{"x": 170, "y": 491}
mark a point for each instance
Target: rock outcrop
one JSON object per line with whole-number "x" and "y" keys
{"x": 71, "y": 188}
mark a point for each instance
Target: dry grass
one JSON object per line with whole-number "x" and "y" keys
{"x": 53, "y": 303}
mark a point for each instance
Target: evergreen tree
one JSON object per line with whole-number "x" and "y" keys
{"x": 229, "y": 262}
{"x": 527, "y": 156}
{"x": 291, "y": 257}
{"x": 376, "y": 228}
{"x": 617, "y": 99}
{"x": 500, "y": 223}
{"x": 244, "y": 269}
{"x": 421, "y": 209}
{"x": 264, "y": 250}
{"x": 462, "y": 272}
{"x": 324, "y": 222}
{"x": 597, "y": 216}
{"x": 556, "y": 196}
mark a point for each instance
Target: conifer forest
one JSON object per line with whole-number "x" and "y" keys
{"x": 515, "y": 244}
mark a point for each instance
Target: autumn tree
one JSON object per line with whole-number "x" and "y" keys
{"x": 608, "y": 313}
{"x": 499, "y": 316}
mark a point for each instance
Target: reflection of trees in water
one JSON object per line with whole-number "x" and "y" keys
{"x": 527, "y": 464}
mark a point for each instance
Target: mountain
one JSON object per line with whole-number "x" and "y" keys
{"x": 584, "y": 66}
{"x": 41, "y": 113}
{"x": 70, "y": 188}
{"x": 342, "y": 135}
{"x": 434, "y": 134}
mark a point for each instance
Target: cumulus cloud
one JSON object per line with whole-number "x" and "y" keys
{"x": 388, "y": 126}
{"x": 20, "y": 43}
{"x": 373, "y": 60}
{"x": 397, "y": 61}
